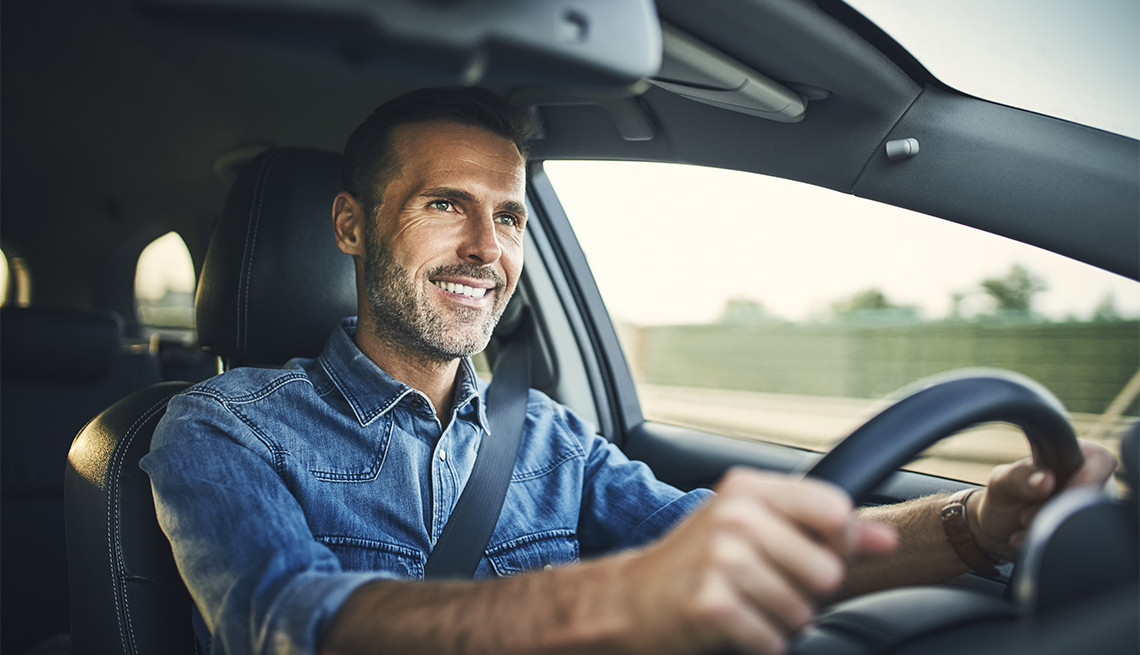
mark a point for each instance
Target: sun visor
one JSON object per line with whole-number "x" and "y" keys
{"x": 596, "y": 44}
{"x": 697, "y": 71}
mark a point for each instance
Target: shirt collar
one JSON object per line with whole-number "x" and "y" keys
{"x": 372, "y": 392}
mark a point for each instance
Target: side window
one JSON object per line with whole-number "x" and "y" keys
{"x": 3, "y": 278}
{"x": 15, "y": 285}
{"x": 164, "y": 286}
{"x": 773, "y": 310}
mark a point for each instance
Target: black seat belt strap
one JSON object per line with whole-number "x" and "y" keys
{"x": 465, "y": 535}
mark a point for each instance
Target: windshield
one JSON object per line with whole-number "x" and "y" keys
{"x": 1079, "y": 61}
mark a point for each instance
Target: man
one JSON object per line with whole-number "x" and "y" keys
{"x": 301, "y": 503}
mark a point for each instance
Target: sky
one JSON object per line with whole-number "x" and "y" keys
{"x": 1074, "y": 59}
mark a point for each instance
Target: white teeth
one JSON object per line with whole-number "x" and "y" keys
{"x": 461, "y": 289}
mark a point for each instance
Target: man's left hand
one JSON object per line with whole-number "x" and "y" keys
{"x": 1001, "y": 513}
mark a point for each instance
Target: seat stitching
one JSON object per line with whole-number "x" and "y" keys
{"x": 246, "y": 261}
{"x": 114, "y": 545}
{"x": 254, "y": 219}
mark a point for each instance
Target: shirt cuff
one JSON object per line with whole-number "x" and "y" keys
{"x": 663, "y": 520}
{"x": 308, "y": 608}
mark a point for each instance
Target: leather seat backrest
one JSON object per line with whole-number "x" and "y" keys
{"x": 273, "y": 286}
{"x": 58, "y": 368}
{"x": 126, "y": 595}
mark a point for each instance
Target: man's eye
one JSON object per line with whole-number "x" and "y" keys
{"x": 508, "y": 219}
{"x": 440, "y": 205}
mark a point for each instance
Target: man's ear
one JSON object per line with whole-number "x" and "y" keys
{"x": 348, "y": 224}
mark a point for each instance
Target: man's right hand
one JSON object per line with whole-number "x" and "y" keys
{"x": 747, "y": 570}
{"x": 742, "y": 573}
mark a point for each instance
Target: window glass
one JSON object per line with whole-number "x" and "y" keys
{"x": 164, "y": 285}
{"x": 774, "y": 310}
{"x": 15, "y": 284}
{"x": 1022, "y": 52}
{"x": 3, "y": 278}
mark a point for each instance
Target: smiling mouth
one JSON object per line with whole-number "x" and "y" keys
{"x": 461, "y": 289}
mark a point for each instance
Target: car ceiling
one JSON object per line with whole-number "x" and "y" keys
{"x": 114, "y": 123}
{"x": 118, "y": 126}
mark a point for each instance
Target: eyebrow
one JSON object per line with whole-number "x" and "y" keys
{"x": 451, "y": 193}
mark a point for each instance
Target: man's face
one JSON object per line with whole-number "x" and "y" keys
{"x": 444, "y": 253}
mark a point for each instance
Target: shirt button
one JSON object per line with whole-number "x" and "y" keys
{"x": 443, "y": 455}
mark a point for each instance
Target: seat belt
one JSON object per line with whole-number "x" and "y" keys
{"x": 465, "y": 535}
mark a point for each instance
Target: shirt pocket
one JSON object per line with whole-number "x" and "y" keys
{"x": 357, "y": 554}
{"x": 355, "y": 455}
{"x": 534, "y": 551}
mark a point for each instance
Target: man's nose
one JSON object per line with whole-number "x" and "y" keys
{"x": 480, "y": 242}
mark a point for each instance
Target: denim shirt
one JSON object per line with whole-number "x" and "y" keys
{"x": 284, "y": 490}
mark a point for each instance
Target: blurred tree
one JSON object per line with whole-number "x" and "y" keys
{"x": 956, "y": 299}
{"x": 1106, "y": 311}
{"x": 745, "y": 311}
{"x": 872, "y": 304}
{"x": 863, "y": 301}
{"x": 1013, "y": 293}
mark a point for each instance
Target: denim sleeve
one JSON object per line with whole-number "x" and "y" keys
{"x": 623, "y": 504}
{"x": 241, "y": 541}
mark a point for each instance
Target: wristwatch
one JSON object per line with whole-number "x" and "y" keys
{"x": 957, "y": 527}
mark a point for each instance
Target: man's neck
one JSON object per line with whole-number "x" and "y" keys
{"x": 432, "y": 377}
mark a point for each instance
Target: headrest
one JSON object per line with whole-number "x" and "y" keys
{"x": 274, "y": 284}
{"x": 58, "y": 345}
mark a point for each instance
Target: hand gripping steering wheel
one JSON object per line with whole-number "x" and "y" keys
{"x": 929, "y": 411}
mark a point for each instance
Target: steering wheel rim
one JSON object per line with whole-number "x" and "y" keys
{"x": 937, "y": 407}
{"x": 927, "y": 412}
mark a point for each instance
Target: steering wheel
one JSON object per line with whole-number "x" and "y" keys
{"x": 940, "y": 406}
{"x": 929, "y": 411}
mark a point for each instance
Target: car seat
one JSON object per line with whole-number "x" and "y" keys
{"x": 59, "y": 367}
{"x": 273, "y": 286}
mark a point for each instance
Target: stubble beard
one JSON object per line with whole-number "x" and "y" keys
{"x": 404, "y": 317}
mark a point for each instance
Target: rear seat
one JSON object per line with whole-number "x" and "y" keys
{"x": 58, "y": 369}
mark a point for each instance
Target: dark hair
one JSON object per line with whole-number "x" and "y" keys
{"x": 369, "y": 159}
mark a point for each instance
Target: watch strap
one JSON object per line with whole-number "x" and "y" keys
{"x": 956, "y": 525}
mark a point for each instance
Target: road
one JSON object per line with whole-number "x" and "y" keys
{"x": 817, "y": 423}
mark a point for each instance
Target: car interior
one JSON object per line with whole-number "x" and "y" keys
{"x": 221, "y": 122}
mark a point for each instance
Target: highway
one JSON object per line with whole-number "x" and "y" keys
{"x": 817, "y": 422}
